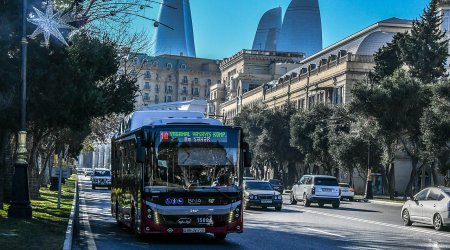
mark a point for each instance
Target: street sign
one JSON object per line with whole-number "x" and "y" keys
{"x": 65, "y": 172}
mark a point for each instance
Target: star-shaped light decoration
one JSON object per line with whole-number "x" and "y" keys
{"x": 49, "y": 23}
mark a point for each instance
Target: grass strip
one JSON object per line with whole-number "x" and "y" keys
{"x": 47, "y": 228}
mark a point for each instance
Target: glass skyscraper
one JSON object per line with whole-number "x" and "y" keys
{"x": 268, "y": 30}
{"x": 302, "y": 28}
{"x": 180, "y": 39}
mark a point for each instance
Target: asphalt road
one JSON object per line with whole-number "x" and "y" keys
{"x": 354, "y": 225}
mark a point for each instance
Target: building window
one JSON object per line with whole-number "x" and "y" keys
{"x": 183, "y": 66}
{"x": 329, "y": 96}
{"x": 446, "y": 21}
{"x": 321, "y": 97}
{"x": 185, "y": 79}
{"x": 148, "y": 75}
{"x": 184, "y": 92}
{"x": 157, "y": 77}
{"x": 340, "y": 95}
{"x": 184, "y": 98}
{"x": 208, "y": 82}
{"x": 146, "y": 97}
{"x": 196, "y": 80}
{"x": 169, "y": 98}
{"x": 169, "y": 66}
{"x": 311, "y": 101}
{"x": 147, "y": 85}
{"x": 196, "y": 92}
{"x": 157, "y": 88}
{"x": 156, "y": 99}
{"x": 169, "y": 78}
{"x": 169, "y": 89}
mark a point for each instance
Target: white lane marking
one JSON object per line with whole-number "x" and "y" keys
{"x": 85, "y": 221}
{"x": 324, "y": 232}
{"x": 378, "y": 223}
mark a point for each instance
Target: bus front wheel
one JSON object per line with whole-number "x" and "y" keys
{"x": 220, "y": 236}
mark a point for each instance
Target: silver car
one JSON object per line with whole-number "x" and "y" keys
{"x": 429, "y": 206}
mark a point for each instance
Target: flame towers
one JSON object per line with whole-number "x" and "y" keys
{"x": 268, "y": 30}
{"x": 302, "y": 28}
{"x": 300, "y": 31}
{"x": 180, "y": 39}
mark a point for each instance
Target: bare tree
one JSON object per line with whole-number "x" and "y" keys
{"x": 115, "y": 19}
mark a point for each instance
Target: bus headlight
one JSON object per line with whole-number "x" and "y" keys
{"x": 235, "y": 214}
{"x": 156, "y": 218}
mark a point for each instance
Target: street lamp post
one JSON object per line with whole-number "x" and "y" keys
{"x": 20, "y": 202}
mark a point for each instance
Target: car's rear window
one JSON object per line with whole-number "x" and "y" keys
{"x": 102, "y": 173}
{"x": 344, "y": 185}
{"x": 326, "y": 182}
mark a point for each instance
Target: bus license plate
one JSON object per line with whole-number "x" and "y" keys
{"x": 193, "y": 230}
{"x": 266, "y": 201}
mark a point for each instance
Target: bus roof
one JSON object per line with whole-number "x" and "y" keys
{"x": 142, "y": 118}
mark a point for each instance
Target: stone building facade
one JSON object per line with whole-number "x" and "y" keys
{"x": 247, "y": 70}
{"x": 170, "y": 78}
{"x": 325, "y": 77}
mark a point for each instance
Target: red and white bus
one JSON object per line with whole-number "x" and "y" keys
{"x": 178, "y": 172}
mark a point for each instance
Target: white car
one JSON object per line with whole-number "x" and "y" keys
{"x": 347, "y": 192}
{"x": 430, "y": 206}
{"x": 321, "y": 189}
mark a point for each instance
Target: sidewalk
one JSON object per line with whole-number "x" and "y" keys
{"x": 383, "y": 200}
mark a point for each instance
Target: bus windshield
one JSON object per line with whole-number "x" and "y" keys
{"x": 196, "y": 159}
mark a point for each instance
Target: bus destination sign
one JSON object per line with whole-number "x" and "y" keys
{"x": 194, "y": 136}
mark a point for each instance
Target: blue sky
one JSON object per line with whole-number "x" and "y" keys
{"x": 224, "y": 27}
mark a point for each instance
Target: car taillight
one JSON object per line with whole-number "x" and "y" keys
{"x": 313, "y": 191}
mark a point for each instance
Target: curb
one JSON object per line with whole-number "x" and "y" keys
{"x": 70, "y": 225}
{"x": 387, "y": 203}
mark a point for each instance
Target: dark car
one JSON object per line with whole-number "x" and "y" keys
{"x": 277, "y": 185}
{"x": 261, "y": 194}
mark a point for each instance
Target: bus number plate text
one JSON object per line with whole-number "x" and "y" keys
{"x": 193, "y": 230}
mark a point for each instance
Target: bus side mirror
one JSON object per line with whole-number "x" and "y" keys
{"x": 247, "y": 155}
{"x": 140, "y": 154}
